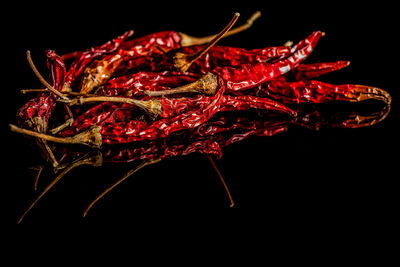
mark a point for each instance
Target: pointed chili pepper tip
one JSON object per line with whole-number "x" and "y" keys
{"x": 323, "y": 34}
{"x": 130, "y": 33}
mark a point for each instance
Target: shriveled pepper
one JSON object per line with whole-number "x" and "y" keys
{"x": 312, "y": 91}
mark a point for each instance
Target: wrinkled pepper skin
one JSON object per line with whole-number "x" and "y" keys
{"x": 312, "y": 91}
{"x": 147, "y": 44}
{"x": 176, "y": 114}
{"x": 39, "y": 109}
{"x": 239, "y": 77}
{"x": 85, "y": 58}
{"x": 217, "y": 56}
{"x": 248, "y": 76}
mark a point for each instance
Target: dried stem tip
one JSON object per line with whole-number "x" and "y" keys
{"x": 152, "y": 107}
{"x": 207, "y": 84}
{"x": 190, "y": 40}
{"x": 182, "y": 62}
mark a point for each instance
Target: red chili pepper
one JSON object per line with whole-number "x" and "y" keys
{"x": 314, "y": 70}
{"x": 313, "y": 91}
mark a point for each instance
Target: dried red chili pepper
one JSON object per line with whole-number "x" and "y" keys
{"x": 312, "y": 91}
{"x": 314, "y": 70}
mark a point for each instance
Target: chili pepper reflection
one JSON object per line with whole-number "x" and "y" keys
{"x": 210, "y": 138}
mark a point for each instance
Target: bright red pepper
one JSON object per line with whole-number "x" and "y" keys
{"x": 312, "y": 91}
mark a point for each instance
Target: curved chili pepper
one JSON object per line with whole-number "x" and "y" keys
{"x": 313, "y": 91}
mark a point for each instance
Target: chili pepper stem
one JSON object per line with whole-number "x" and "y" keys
{"x": 130, "y": 173}
{"x": 222, "y": 180}
{"x": 88, "y": 159}
{"x": 182, "y": 61}
{"x": 27, "y": 91}
{"x": 152, "y": 107}
{"x": 91, "y": 137}
{"x": 61, "y": 127}
{"x": 190, "y": 40}
{"x": 207, "y": 84}
{"x": 42, "y": 80}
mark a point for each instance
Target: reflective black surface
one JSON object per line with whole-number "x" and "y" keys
{"x": 333, "y": 174}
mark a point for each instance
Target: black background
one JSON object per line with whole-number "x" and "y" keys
{"x": 331, "y": 179}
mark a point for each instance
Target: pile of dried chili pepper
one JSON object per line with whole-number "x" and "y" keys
{"x": 173, "y": 92}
